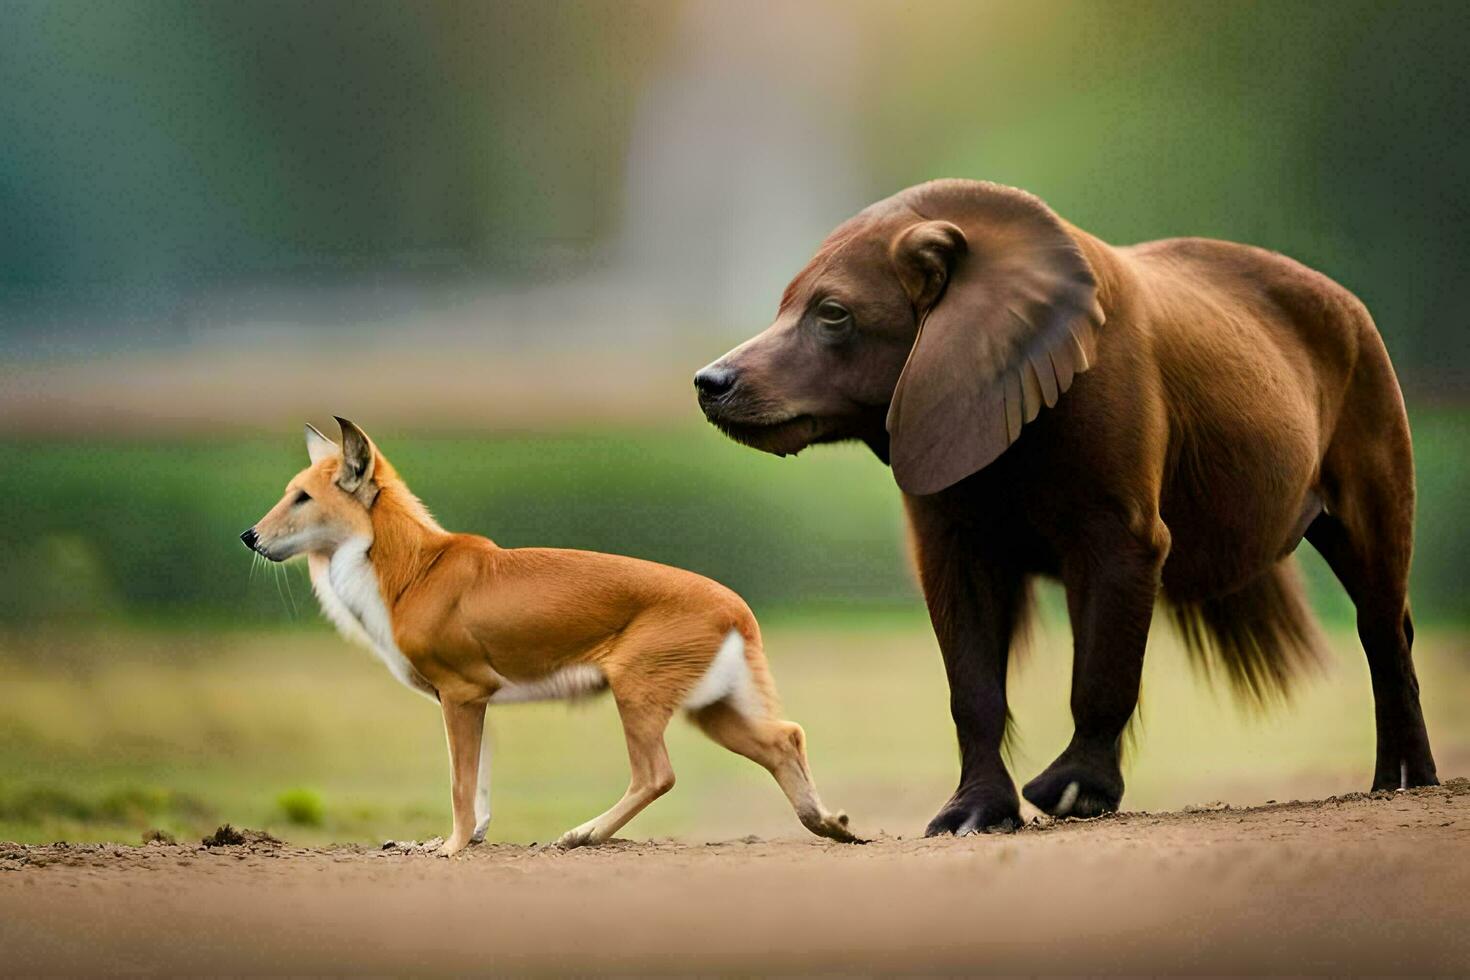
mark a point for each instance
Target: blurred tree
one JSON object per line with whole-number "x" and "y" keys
{"x": 165, "y": 145}
{"x": 1327, "y": 130}
{"x": 169, "y": 140}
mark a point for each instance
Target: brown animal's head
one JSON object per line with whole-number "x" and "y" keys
{"x": 327, "y": 504}
{"x": 932, "y": 326}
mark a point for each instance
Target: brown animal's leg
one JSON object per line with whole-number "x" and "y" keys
{"x": 464, "y": 724}
{"x": 1112, "y": 582}
{"x": 779, "y": 746}
{"x": 1376, "y": 579}
{"x": 974, "y": 605}
{"x": 652, "y": 775}
{"x": 1367, "y": 536}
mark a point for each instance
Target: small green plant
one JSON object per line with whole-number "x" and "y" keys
{"x": 302, "y": 807}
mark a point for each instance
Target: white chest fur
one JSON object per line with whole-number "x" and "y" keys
{"x": 347, "y": 588}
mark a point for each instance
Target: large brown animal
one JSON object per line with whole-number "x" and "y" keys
{"x": 1233, "y": 401}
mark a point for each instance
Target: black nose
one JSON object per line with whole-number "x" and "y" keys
{"x": 250, "y": 537}
{"x": 714, "y": 381}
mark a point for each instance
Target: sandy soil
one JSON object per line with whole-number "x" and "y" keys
{"x": 1359, "y": 883}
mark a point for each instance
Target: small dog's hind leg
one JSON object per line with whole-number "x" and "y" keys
{"x": 652, "y": 775}
{"x": 779, "y": 746}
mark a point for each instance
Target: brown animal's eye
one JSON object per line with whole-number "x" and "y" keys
{"x": 301, "y": 498}
{"x": 833, "y": 314}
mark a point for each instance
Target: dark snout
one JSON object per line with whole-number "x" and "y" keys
{"x": 739, "y": 402}
{"x": 714, "y": 381}
{"x": 250, "y": 538}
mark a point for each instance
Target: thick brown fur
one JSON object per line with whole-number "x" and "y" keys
{"x": 1159, "y": 421}
{"x": 1262, "y": 635}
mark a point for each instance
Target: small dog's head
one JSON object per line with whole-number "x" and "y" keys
{"x": 926, "y": 326}
{"x": 326, "y": 504}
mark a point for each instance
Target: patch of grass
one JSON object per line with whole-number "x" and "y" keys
{"x": 141, "y": 730}
{"x": 824, "y": 530}
{"x": 125, "y": 805}
{"x": 302, "y": 807}
{"x": 166, "y": 540}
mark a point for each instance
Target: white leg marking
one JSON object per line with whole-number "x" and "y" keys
{"x": 482, "y": 791}
{"x": 1069, "y": 799}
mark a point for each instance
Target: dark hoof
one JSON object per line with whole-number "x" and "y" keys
{"x": 1405, "y": 775}
{"x": 1069, "y": 790}
{"x": 963, "y": 816}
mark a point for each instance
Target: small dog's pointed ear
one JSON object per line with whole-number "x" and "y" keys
{"x": 318, "y": 446}
{"x": 358, "y": 457}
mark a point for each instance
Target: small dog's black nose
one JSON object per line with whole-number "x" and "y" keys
{"x": 714, "y": 381}
{"x": 250, "y": 537}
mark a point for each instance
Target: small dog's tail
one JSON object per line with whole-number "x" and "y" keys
{"x": 755, "y": 661}
{"x": 1263, "y": 635}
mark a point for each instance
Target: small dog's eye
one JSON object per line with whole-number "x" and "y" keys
{"x": 301, "y": 498}
{"x": 833, "y": 314}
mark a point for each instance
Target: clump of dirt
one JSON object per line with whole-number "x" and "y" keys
{"x": 226, "y": 836}
{"x": 411, "y": 846}
{"x": 223, "y": 836}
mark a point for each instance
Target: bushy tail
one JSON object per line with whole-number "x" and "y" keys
{"x": 1263, "y": 636}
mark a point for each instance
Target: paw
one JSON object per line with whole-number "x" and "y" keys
{"x": 977, "y": 812}
{"x": 1069, "y": 789}
{"x": 582, "y": 836}
{"x": 834, "y": 827}
{"x": 451, "y": 847}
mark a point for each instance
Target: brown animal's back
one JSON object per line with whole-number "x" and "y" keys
{"x": 1255, "y": 353}
{"x": 1268, "y": 303}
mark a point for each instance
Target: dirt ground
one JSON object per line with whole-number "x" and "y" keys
{"x": 1359, "y": 883}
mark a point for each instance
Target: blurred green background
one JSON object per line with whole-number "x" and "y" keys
{"x": 502, "y": 236}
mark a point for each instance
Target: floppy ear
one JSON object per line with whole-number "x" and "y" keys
{"x": 358, "y": 458}
{"x": 318, "y": 446}
{"x": 1008, "y": 309}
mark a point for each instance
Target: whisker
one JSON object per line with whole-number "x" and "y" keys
{"x": 276, "y": 577}
{"x": 290, "y": 594}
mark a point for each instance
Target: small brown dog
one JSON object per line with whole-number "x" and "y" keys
{"x": 1234, "y": 401}
{"x": 471, "y": 624}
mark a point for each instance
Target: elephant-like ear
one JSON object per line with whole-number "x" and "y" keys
{"x": 318, "y": 446}
{"x": 359, "y": 459}
{"x": 1011, "y": 323}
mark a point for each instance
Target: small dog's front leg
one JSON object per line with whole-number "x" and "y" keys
{"x": 464, "y": 723}
{"x": 482, "y": 794}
